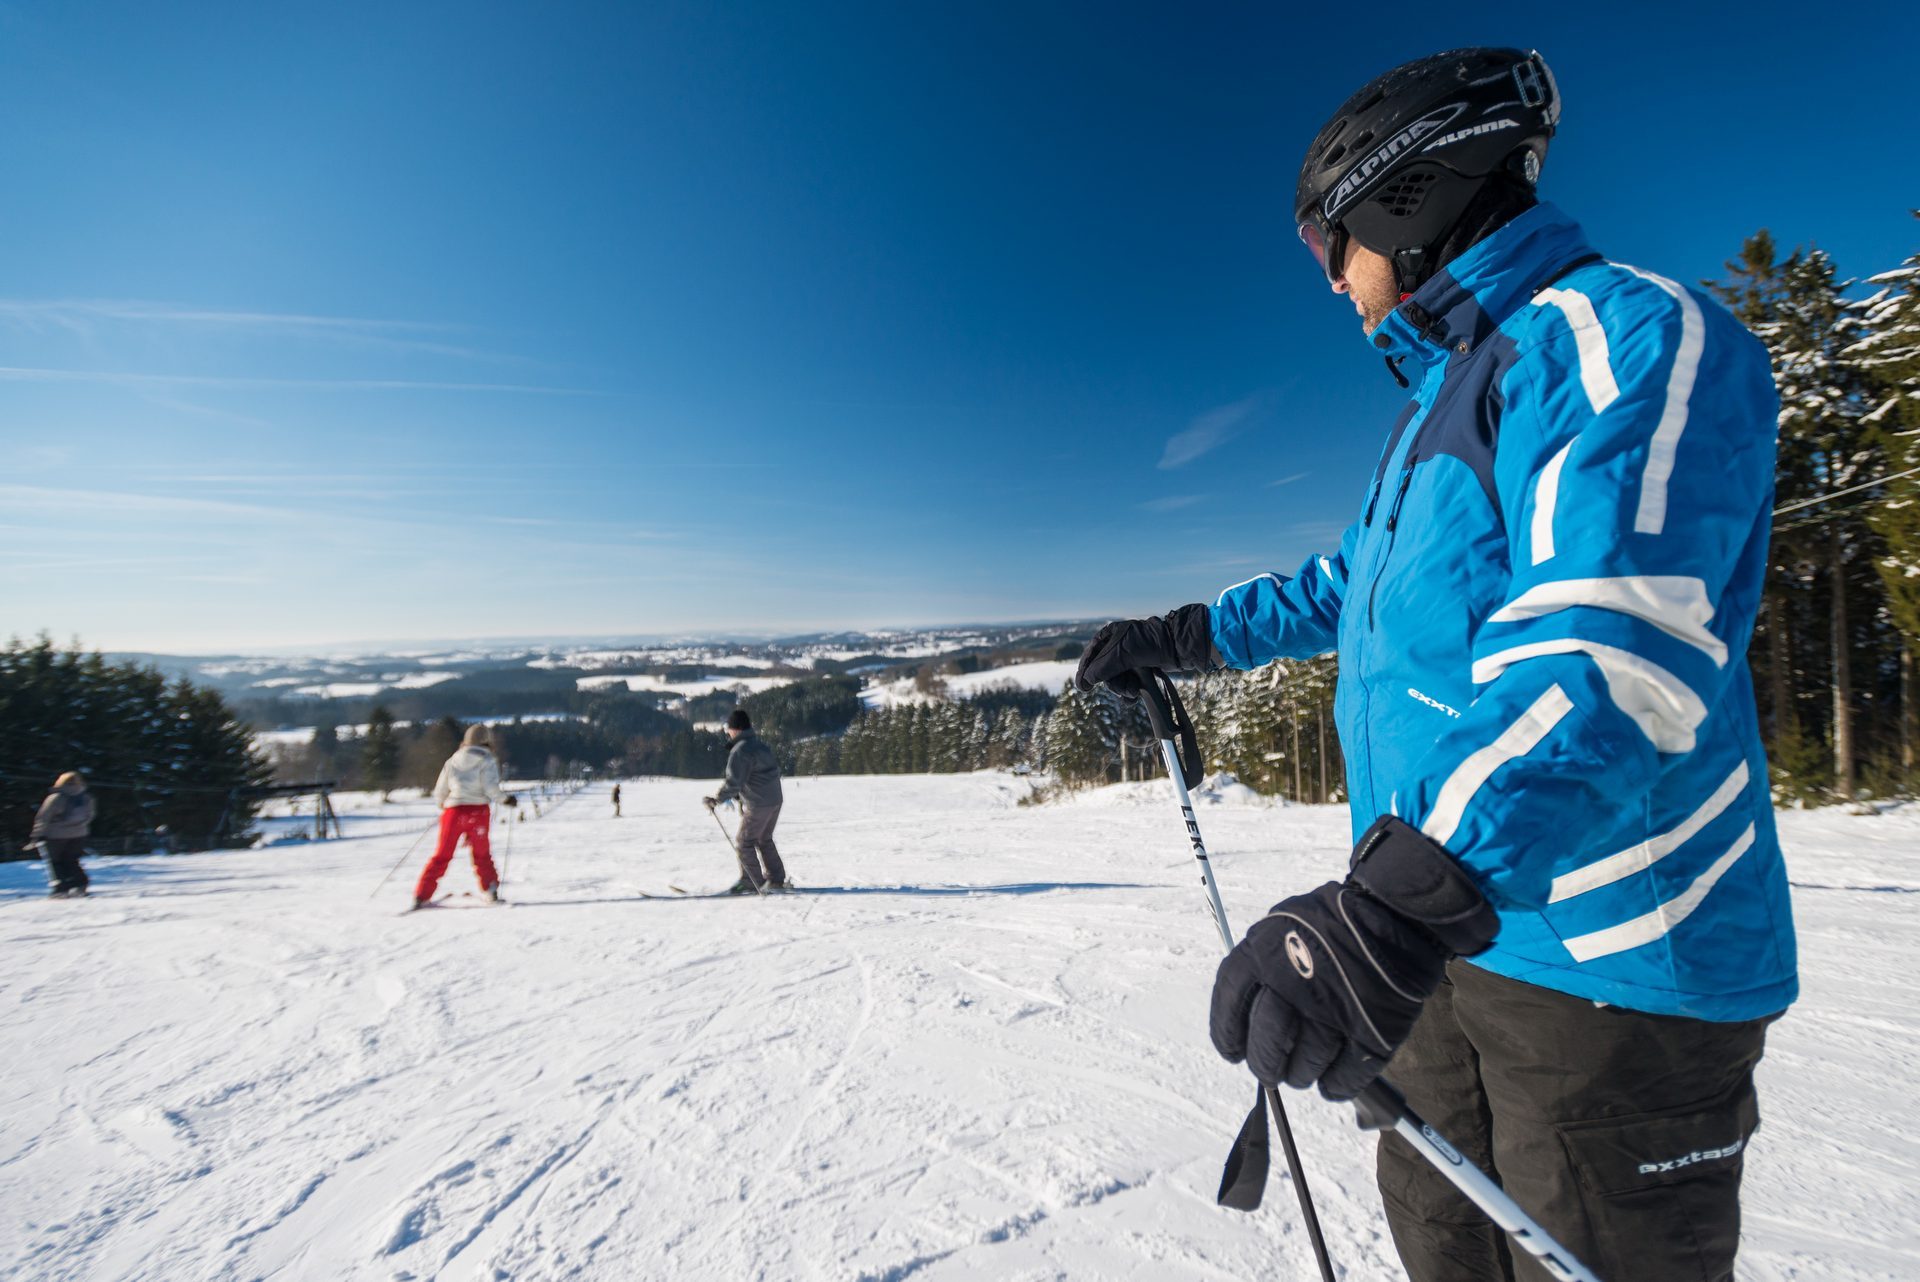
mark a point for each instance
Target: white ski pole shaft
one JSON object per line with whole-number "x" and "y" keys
{"x": 1161, "y": 701}
{"x": 1171, "y": 753}
{"x": 1381, "y": 1107}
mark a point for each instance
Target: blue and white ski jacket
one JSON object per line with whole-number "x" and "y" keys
{"x": 1542, "y": 616}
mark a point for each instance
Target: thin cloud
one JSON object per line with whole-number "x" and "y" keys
{"x": 1288, "y": 480}
{"x": 85, "y": 316}
{"x": 28, "y": 374}
{"x": 1209, "y": 431}
{"x": 1171, "y": 503}
{"x": 67, "y": 501}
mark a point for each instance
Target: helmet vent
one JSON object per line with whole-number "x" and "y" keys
{"x": 1403, "y": 196}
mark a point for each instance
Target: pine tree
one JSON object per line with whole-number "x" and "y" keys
{"x": 1006, "y": 740}
{"x": 156, "y": 754}
{"x": 427, "y": 749}
{"x": 976, "y": 733}
{"x": 380, "y": 753}
{"x": 1825, "y": 447}
{"x": 1889, "y": 357}
{"x": 1079, "y": 741}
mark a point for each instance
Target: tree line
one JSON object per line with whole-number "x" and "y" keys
{"x": 167, "y": 761}
{"x": 1833, "y": 650}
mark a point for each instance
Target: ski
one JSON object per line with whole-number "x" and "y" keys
{"x": 441, "y": 901}
{"x": 679, "y": 892}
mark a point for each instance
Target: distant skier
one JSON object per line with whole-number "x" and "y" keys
{"x": 468, "y": 786}
{"x": 753, "y": 775}
{"x": 616, "y": 801}
{"x": 1542, "y": 612}
{"x": 61, "y": 828}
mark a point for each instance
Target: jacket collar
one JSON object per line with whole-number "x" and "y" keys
{"x": 1475, "y": 293}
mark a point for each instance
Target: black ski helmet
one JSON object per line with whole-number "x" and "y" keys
{"x": 1399, "y": 162}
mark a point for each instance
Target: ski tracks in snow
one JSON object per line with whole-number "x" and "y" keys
{"x": 988, "y": 1061}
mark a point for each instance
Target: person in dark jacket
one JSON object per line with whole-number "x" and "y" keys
{"x": 61, "y": 829}
{"x": 753, "y": 777}
{"x": 616, "y": 801}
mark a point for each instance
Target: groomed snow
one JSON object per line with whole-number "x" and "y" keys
{"x": 978, "y": 1052}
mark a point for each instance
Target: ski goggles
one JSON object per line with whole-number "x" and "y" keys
{"x": 1328, "y": 245}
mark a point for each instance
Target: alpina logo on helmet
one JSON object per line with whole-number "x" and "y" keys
{"x": 1362, "y": 174}
{"x": 1472, "y": 131}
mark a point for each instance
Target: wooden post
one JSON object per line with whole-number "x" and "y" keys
{"x": 1906, "y": 712}
{"x": 1293, "y": 713}
{"x": 1777, "y": 661}
{"x": 1320, "y": 719}
{"x": 1842, "y": 670}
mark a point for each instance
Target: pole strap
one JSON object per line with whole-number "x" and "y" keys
{"x": 1169, "y": 719}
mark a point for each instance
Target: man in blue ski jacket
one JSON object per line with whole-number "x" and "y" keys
{"x": 1541, "y": 611}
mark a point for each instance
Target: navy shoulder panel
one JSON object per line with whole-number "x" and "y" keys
{"x": 1465, "y": 421}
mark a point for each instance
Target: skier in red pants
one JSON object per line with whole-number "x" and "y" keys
{"x": 468, "y": 786}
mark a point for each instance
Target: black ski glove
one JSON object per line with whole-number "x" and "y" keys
{"x": 1326, "y": 987}
{"x": 1180, "y": 642}
{"x": 509, "y": 800}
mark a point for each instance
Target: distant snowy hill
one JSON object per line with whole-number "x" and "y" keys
{"x": 1048, "y": 675}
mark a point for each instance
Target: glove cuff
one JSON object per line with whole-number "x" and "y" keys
{"x": 1410, "y": 873}
{"x": 1190, "y": 628}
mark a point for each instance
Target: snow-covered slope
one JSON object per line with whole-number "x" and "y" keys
{"x": 978, "y": 1052}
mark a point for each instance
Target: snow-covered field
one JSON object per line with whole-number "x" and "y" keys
{"x": 647, "y": 683}
{"x": 295, "y": 736}
{"x": 978, "y": 1051}
{"x": 1047, "y": 674}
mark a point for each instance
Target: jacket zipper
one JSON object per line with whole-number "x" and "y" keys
{"x": 1393, "y": 521}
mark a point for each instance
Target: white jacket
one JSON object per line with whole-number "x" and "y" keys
{"x": 471, "y": 777}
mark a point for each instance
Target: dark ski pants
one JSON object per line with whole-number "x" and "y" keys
{"x": 63, "y": 862}
{"x": 472, "y": 822}
{"x": 757, "y": 848}
{"x": 1621, "y": 1132}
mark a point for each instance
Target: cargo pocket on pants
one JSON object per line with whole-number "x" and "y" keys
{"x": 1663, "y": 1189}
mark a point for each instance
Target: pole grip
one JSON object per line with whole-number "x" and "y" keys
{"x": 1169, "y": 719}
{"x": 1380, "y": 1106}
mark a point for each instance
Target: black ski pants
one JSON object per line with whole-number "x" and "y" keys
{"x": 757, "y": 848}
{"x": 1623, "y": 1133}
{"x": 63, "y": 862}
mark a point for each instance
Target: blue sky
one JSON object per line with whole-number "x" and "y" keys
{"x": 430, "y": 321}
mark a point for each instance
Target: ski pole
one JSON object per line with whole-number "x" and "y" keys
{"x": 1380, "y": 1106}
{"x": 715, "y": 812}
{"x": 506, "y": 859}
{"x": 402, "y": 859}
{"x": 1243, "y": 1183}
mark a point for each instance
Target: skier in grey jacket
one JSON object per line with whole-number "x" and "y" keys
{"x": 753, "y": 776}
{"x": 61, "y": 829}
